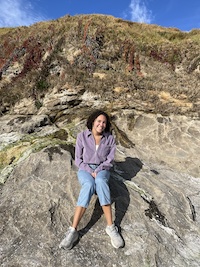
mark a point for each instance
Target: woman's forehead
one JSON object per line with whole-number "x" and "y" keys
{"x": 101, "y": 117}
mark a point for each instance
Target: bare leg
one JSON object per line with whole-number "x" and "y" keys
{"x": 108, "y": 214}
{"x": 78, "y": 215}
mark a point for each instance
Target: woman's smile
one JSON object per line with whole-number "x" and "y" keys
{"x": 99, "y": 124}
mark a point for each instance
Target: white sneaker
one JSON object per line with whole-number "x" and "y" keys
{"x": 70, "y": 238}
{"x": 116, "y": 239}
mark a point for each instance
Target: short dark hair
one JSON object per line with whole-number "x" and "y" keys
{"x": 93, "y": 117}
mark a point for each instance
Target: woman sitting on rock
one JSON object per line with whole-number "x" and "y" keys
{"x": 94, "y": 154}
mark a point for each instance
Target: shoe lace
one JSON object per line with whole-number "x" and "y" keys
{"x": 114, "y": 231}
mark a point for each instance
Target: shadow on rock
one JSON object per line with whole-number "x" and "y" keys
{"x": 119, "y": 192}
{"x": 96, "y": 215}
{"x": 120, "y": 195}
{"x": 128, "y": 168}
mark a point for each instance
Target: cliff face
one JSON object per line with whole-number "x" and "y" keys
{"x": 147, "y": 78}
{"x": 146, "y": 67}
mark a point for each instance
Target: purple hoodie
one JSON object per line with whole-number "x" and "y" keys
{"x": 86, "y": 152}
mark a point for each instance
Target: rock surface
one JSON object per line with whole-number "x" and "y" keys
{"x": 155, "y": 189}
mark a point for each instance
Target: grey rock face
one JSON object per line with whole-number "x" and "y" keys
{"x": 155, "y": 189}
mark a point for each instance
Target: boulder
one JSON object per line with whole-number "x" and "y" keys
{"x": 154, "y": 201}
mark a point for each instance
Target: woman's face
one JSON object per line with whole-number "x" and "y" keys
{"x": 99, "y": 124}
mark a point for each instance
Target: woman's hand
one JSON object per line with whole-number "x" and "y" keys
{"x": 94, "y": 175}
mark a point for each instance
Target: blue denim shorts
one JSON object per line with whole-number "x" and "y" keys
{"x": 90, "y": 185}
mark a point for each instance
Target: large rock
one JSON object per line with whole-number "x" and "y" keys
{"x": 155, "y": 201}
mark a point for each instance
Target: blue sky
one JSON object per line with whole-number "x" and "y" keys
{"x": 181, "y": 14}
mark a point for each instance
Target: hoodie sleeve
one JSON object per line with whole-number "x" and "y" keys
{"x": 79, "y": 154}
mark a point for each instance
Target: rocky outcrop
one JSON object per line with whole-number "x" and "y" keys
{"x": 155, "y": 190}
{"x": 111, "y": 59}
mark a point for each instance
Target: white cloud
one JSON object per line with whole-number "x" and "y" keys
{"x": 139, "y": 12}
{"x": 17, "y": 13}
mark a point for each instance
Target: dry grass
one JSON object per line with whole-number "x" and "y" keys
{"x": 119, "y": 50}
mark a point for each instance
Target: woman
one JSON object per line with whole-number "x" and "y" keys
{"x": 94, "y": 154}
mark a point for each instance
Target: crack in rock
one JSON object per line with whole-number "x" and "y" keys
{"x": 153, "y": 212}
{"x": 193, "y": 212}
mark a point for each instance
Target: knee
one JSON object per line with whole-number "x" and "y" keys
{"x": 101, "y": 182}
{"x": 89, "y": 186}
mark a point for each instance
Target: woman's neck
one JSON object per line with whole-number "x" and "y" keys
{"x": 96, "y": 134}
{"x": 97, "y": 137}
